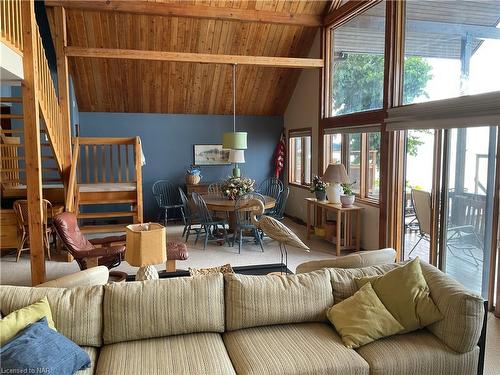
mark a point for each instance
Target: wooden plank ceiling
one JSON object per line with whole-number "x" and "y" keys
{"x": 113, "y": 85}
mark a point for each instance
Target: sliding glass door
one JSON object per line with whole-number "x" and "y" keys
{"x": 467, "y": 205}
{"x": 450, "y": 186}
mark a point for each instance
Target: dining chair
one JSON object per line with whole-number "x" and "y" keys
{"x": 215, "y": 189}
{"x": 167, "y": 198}
{"x": 21, "y": 212}
{"x": 272, "y": 187}
{"x": 190, "y": 216}
{"x": 209, "y": 223}
{"x": 278, "y": 211}
{"x": 244, "y": 222}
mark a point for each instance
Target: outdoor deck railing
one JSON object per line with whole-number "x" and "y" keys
{"x": 11, "y": 25}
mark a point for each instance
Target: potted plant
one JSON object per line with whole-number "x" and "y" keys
{"x": 347, "y": 199}
{"x": 318, "y": 187}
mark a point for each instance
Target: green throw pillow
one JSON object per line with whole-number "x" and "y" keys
{"x": 362, "y": 318}
{"x": 405, "y": 293}
{"x": 18, "y": 320}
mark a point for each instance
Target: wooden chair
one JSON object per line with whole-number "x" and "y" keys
{"x": 244, "y": 221}
{"x": 21, "y": 211}
{"x": 190, "y": 216}
{"x": 272, "y": 187}
{"x": 214, "y": 189}
{"x": 167, "y": 198}
{"x": 209, "y": 223}
{"x": 278, "y": 211}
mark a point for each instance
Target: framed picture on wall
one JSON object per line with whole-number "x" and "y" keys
{"x": 210, "y": 155}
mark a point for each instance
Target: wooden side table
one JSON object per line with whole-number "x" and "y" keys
{"x": 348, "y": 223}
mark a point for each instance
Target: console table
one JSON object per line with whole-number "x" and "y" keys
{"x": 348, "y": 223}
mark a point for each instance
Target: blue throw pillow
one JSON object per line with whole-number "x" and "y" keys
{"x": 37, "y": 349}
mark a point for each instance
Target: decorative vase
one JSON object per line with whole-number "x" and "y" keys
{"x": 193, "y": 179}
{"x": 347, "y": 200}
{"x": 320, "y": 195}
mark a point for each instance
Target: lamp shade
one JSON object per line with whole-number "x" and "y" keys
{"x": 336, "y": 173}
{"x": 146, "y": 244}
{"x": 237, "y": 156}
{"x": 235, "y": 140}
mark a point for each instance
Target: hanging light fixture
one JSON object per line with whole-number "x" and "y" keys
{"x": 234, "y": 140}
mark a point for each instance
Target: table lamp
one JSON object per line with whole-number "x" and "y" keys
{"x": 146, "y": 246}
{"x": 335, "y": 174}
{"x": 236, "y": 157}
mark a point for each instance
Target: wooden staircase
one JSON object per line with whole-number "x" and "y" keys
{"x": 12, "y": 161}
{"x": 105, "y": 188}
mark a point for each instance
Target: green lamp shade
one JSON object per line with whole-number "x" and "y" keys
{"x": 235, "y": 140}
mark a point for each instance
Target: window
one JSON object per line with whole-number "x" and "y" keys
{"x": 299, "y": 168}
{"x": 332, "y": 149}
{"x": 357, "y": 63}
{"x": 360, "y": 153}
{"x": 451, "y": 49}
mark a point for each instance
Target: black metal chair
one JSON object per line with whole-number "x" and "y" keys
{"x": 278, "y": 211}
{"x": 190, "y": 216}
{"x": 272, "y": 187}
{"x": 244, "y": 220}
{"x": 167, "y": 198}
{"x": 209, "y": 223}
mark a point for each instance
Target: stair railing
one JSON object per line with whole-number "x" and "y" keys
{"x": 11, "y": 26}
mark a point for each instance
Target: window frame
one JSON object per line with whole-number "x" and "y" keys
{"x": 362, "y": 196}
{"x": 291, "y": 157}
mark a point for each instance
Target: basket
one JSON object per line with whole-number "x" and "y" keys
{"x": 193, "y": 179}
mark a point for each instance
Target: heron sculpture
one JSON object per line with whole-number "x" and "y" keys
{"x": 275, "y": 229}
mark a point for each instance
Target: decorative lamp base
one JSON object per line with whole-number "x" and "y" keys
{"x": 236, "y": 171}
{"x": 333, "y": 191}
{"x": 147, "y": 273}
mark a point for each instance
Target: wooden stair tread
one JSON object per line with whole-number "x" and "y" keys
{"x": 11, "y": 116}
{"x": 110, "y": 201}
{"x": 11, "y": 99}
{"x": 105, "y": 228}
{"x": 102, "y": 215}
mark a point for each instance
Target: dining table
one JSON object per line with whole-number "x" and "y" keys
{"x": 218, "y": 203}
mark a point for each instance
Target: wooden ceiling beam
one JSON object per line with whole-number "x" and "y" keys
{"x": 192, "y": 11}
{"x": 203, "y": 58}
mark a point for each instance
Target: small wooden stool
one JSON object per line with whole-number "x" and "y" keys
{"x": 175, "y": 251}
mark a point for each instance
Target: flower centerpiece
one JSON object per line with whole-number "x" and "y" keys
{"x": 235, "y": 187}
{"x": 318, "y": 187}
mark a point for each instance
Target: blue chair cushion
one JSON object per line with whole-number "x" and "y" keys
{"x": 38, "y": 349}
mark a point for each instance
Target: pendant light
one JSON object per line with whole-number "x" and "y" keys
{"x": 234, "y": 140}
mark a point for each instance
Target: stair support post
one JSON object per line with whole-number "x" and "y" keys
{"x": 32, "y": 145}
{"x": 138, "y": 177}
{"x": 60, "y": 43}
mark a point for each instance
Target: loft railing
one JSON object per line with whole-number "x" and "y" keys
{"x": 11, "y": 25}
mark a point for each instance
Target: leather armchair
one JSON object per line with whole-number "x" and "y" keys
{"x": 97, "y": 252}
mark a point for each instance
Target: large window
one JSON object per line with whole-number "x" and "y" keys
{"x": 360, "y": 153}
{"x": 357, "y": 63}
{"x": 451, "y": 49}
{"x": 300, "y": 168}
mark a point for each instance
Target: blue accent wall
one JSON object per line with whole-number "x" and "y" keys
{"x": 168, "y": 144}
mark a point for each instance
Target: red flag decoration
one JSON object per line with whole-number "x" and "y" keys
{"x": 279, "y": 155}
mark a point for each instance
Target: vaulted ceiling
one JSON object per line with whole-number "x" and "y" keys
{"x": 117, "y": 85}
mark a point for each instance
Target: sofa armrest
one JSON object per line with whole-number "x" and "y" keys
{"x": 463, "y": 311}
{"x": 355, "y": 260}
{"x": 89, "y": 277}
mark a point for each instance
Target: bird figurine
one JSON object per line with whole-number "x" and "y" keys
{"x": 275, "y": 230}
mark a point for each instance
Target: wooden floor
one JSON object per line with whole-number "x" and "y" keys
{"x": 459, "y": 265}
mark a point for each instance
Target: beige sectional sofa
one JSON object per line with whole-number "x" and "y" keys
{"x": 252, "y": 325}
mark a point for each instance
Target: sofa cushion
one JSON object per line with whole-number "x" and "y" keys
{"x": 77, "y": 312}
{"x": 405, "y": 293}
{"x": 362, "y": 318}
{"x": 417, "y": 353}
{"x": 355, "y": 260}
{"x": 343, "y": 283}
{"x": 198, "y": 353}
{"x": 93, "y": 354}
{"x": 271, "y": 299}
{"x": 463, "y": 310}
{"x": 157, "y": 308}
{"x": 304, "y": 348}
